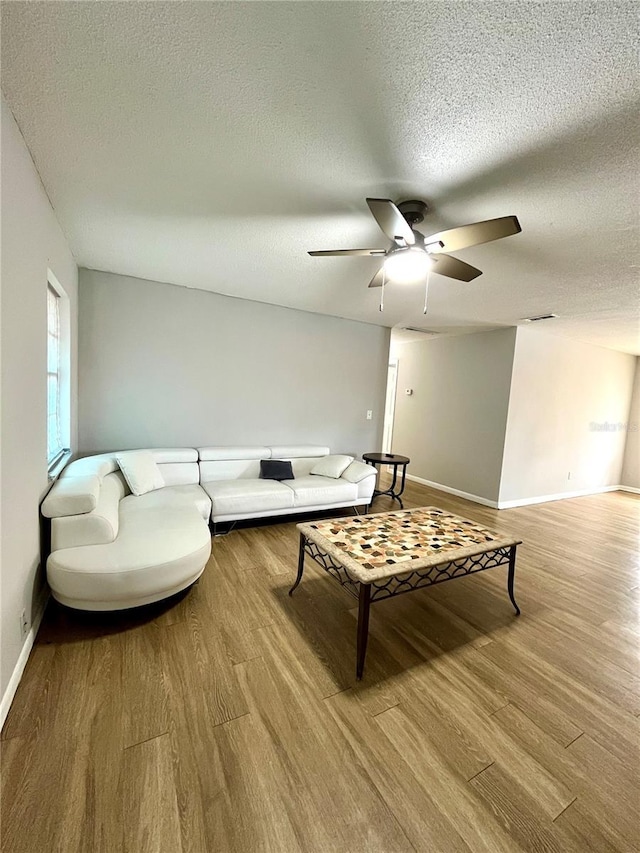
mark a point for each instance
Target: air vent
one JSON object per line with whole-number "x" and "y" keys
{"x": 540, "y": 317}
{"x": 421, "y": 331}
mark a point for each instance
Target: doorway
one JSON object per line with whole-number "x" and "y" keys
{"x": 390, "y": 405}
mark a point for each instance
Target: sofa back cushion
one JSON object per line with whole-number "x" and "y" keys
{"x": 298, "y": 451}
{"x": 100, "y": 465}
{"x": 301, "y": 466}
{"x": 302, "y": 457}
{"x": 231, "y": 463}
{"x": 243, "y": 462}
{"x": 178, "y": 466}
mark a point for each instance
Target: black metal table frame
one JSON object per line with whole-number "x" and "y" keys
{"x": 388, "y": 587}
{"x": 395, "y": 465}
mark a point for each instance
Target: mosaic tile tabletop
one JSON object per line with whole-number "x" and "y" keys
{"x": 371, "y": 547}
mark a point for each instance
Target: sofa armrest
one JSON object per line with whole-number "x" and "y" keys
{"x": 358, "y": 471}
{"x": 72, "y": 496}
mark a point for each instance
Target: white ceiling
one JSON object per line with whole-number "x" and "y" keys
{"x": 212, "y": 144}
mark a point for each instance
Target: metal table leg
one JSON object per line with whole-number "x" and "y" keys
{"x": 391, "y": 491}
{"x": 511, "y": 577}
{"x": 364, "y": 603}
{"x": 404, "y": 477}
{"x": 300, "y": 563}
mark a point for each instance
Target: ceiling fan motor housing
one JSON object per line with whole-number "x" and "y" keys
{"x": 413, "y": 211}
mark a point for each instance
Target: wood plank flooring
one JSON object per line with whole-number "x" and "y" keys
{"x": 229, "y": 720}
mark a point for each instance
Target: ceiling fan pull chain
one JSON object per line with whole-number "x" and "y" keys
{"x": 426, "y": 291}
{"x": 384, "y": 278}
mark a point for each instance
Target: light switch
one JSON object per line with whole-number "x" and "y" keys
{"x": 369, "y": 414}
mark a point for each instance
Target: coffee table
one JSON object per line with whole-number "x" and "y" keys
{"x": 385, "y": 554}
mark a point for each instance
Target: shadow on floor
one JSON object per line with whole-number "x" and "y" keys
{"x": 65, "y": 625}
{"x": 407, "y": 631}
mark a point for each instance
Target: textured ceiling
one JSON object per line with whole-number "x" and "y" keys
{"x": 212, "y": 144}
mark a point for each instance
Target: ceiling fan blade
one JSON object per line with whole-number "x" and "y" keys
{"x": 453, "y": 268}
{"x": 391, "y": 221}
{"x": 338, "y": 252}
{"x": 472, "y": 235}
{"x": 376, "y": 281}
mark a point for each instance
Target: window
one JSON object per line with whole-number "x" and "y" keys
{"x": 58, "y": 373}
{"x": 54, "y": 427}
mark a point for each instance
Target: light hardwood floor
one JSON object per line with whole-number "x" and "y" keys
{"x": 232, "y": 721}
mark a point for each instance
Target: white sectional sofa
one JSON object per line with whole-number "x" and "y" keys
{"x": 112, "y": 550}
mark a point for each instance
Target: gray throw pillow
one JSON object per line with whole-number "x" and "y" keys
{"x": 276, "y": 469}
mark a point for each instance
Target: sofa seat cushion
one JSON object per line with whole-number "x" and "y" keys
{"x": 157, "y": 552}
{"x": 170, "y": 496}
{"x": 246, "y": 496}
{"x": 315, "y": 490}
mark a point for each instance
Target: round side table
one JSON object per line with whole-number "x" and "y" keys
{"x": 396, "y": 462}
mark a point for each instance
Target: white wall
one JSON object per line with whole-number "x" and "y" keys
{"x": 561, "y": 392}
{"x": 453, "y": 425}
{"x": 631, "y": 465}
{"x": 32, "y": 243}
{"x": 165, "y": 365}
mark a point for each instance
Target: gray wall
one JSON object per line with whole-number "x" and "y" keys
{"x": 453, "y": 425}
{"x": 164, "y": 365}
{"x": 567, "y": 413}
{"x": 32, "y": 243}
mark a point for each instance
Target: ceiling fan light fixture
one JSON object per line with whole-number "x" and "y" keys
{"x": 407, "y": 266}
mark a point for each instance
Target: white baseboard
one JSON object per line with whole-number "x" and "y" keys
{"x": 520, "y": 501}
{"x": 559, "y": 497}
{"x": 18, "y": 669}
{"x": 441, "y": 488}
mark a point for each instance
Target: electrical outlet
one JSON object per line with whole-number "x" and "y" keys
{"x": 24, "y": 625}
{"x": 369, "y": 414}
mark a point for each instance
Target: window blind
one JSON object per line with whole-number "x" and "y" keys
{"x": 54, "y": 429}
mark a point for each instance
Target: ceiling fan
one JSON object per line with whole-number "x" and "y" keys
{"x": 412, "y": 256}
